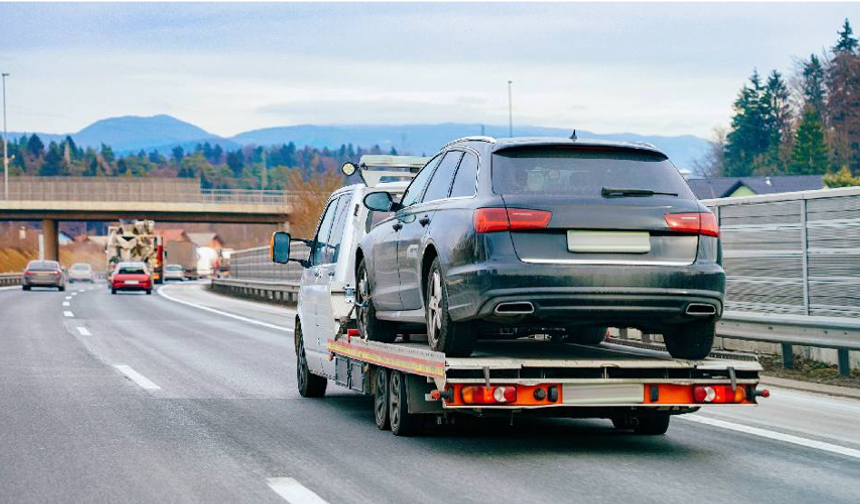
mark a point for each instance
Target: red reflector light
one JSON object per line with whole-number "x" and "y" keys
{"x": 352, "y": 332}
{"x": 718, "y": 394}
{"x": 489, "y": 395}
{"x": 695, "y": 223}
{"x": 28, "y": 273}
{"x": 489, "y": 220}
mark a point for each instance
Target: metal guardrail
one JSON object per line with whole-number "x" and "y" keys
{"x": 255, "y": 264}
{"x": 10, "y": 279}
{"x": 126, "y": 189}
{"x": 272, "y": 291}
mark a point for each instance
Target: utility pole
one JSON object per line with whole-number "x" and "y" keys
{"x": 5, "y": 142}
{"x": 510, "y": 111}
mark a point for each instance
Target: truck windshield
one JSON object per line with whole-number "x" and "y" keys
{"x": 584, "y": 172}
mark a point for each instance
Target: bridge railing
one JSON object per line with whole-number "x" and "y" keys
{"x": 131, "y": 189}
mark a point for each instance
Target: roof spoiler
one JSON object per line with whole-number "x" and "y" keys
{"x": 373, "y": 169}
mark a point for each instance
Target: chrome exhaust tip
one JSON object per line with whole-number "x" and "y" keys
{"x": 514, "y": 308}
{"x": 701, "y": 309}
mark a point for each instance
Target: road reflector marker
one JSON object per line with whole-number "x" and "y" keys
{"x": 83, "y": 331}
{"x": 294, "y": 492}
{"x": 778, "y": 436}
{"x": 136, "y": 377}
{"x": 68, "y": 314}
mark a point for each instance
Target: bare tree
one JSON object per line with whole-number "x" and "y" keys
{"x": 711, "y": 162}
{"x": 309, "y": 196}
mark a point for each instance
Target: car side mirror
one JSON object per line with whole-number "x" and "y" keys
{"x": 381, "y": 202}
{"x": 279, "y": 247}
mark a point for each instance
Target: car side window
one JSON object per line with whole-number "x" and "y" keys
{"x": 441, "y": 182}
{"x": 318, "y": 253}
{"x": 341, "y": 215}
{"x": 467, "y": 173}
{"x": 416, "y": 188}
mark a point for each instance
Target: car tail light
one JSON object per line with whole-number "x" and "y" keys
{"x": 718, "y": 394}
{"x": 489, "y": 395}
{"x": 489, "y": 220}
{"x": 28, "y": 273}
{"x": 695, "y": 223}
{"x": 58, "y": 272}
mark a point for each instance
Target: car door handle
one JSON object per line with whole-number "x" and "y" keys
{"x": 424, "y": 220}
{"x": 397, "y": 226}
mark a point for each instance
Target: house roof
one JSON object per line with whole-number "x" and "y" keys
{"x": 203, "y": 239}
{"x": 173, "y": 235}
{"x": 722, "y": 187}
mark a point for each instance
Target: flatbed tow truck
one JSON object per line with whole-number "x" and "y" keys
{"x": 638, "y": 389}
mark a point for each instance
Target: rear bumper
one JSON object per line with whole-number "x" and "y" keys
{"x": 634, "y": 296}
{"x": 42, "y": 282}
{"x": 139, "y": 287}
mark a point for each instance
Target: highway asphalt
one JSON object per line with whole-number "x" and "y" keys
{"x": 189, "y": 396}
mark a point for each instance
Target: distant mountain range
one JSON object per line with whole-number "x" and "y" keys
{"x": 163, "y": 132}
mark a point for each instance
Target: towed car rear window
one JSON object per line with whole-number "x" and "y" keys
{"x": 583, "y": 172}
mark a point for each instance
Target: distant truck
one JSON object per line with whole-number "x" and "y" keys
{"x": 183, "y": 254}
{"x": 136, "y": 241}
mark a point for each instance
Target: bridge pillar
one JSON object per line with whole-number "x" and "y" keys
{"x": 52, "y": 240}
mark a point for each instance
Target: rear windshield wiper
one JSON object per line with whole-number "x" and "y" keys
{"x": 610, "y": 192}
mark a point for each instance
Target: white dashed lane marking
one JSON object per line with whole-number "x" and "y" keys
{"x": 83, "y": 331}
{"x": 294, "y": 492}
{"x": 68, "y": 314}
{"x": 131, "y": 374}
{"x": 65, "y": 303}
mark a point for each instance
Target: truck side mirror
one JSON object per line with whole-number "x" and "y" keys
{"x": 279, "y": 247}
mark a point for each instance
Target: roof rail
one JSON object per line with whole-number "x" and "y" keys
{"x": 487, "y": 139}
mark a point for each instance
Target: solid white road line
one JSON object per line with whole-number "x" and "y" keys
{"x": 231, "y": 315}
{"x": 136, "y": 377}
{"x": 68, "y": 314}
{"x": 83, "y": 331}
{"x": 778, "y": 436}
{"x": 10, "y": 288}
{"x": 294, "y": 492}
{"x": 66, "y": 303}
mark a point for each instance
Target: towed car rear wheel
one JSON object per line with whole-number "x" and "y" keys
{"x": 455, "y": 339}
{"x": 692, "y": 340}
{"x": 369, "y": 327}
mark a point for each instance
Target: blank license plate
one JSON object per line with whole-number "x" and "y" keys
{"x": 610, "y": 393}
{"x": 131, "y": 282}
{"x": 625, "y": 242}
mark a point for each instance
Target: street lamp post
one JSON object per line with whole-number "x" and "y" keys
{"x": 5, "y": 144}
{"x": 510, "y": 111}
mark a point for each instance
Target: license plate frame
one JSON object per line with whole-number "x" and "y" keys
{"x": 614, "y": 242}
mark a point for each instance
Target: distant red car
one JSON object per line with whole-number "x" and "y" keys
{"x": 131, "y": 276}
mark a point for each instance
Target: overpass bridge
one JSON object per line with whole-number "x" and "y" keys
{"x": 55, "y": 199}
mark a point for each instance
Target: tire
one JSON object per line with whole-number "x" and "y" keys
{"x": 369, "y": 327}
{"x": 113, "y": 291}
{"x": 25, "y": 287}
{"x": 692, "y": 340}
{"x": 61, "y": 288}
{"x": 586, "y": 335}
{"x": 624, "y": 423}
{"x": 653, "y": 425}
{"x": 402, "y": 422}
{"x": 454, "y": 339}
{"x": 310, "y": 385}
{"x": 148, "y": 292}
{"x": 380, "y": 400}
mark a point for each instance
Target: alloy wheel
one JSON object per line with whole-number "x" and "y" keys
{"x": 434, "y": 308}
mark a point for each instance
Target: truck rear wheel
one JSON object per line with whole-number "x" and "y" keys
{"x": 648, "y": 425}
{"x": 692, "y": 340}
{"x": 310, "y": 385}
{"x": 380, "y": 399}
{"x": 586, "y": 335}
{"x": 454, "y": 339}
{"x": 369, "y": 327}
{"x": 403, "y": 423}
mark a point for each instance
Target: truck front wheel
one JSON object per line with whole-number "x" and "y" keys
{"x": 310, "y": 385}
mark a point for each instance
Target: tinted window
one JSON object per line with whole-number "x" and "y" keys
{"x": 416, "y": 188}
{"x": 583, "y": 172}
{"x": 318, "y": 254}
{"x": 440, "y": 184}
{"x": 81, "y": 267}
{"x": 132, "y": 270}
{"x": 43, "y": 265}
{"x": 464, "y": 181}
{"x": 341, "y": 214}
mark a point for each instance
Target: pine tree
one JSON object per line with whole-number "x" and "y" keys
{"x": 107, "y": 154}
{"x": 178, "y": 153}
{"x": 53, "y": 165}
{"x": 846, "y": 43}
{"x": 810, "y": 155}
{"x": 35, "y": 146}
{"x": 812, "y": 84}
{"x": 749, "y": 137}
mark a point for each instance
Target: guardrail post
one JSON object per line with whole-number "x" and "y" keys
{"x": 787, "y": 356}
{"x": 622, "y": 333}
{"x": 844, "y": 362}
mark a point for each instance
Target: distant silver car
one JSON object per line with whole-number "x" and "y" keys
{"x": 43, "y": 274}
{"x": 81, "y": 272}
{"x": 174, "y": 272}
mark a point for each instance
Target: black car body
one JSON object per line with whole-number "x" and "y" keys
{"x": 546, "y": 236}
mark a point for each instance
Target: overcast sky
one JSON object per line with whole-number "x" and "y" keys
{"x": 643, "y": 68}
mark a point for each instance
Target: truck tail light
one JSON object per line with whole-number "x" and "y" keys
{"x": 489, "y": 220}
{"x": 480, "y": 394}
{"x": 693, "y": 223}
{"x": 718, "y": 394}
